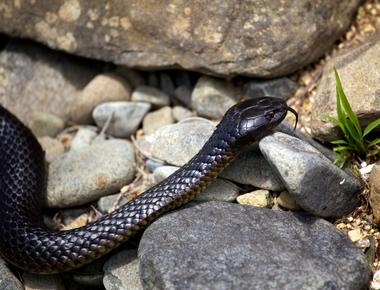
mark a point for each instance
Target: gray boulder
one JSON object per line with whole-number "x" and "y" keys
{"x": 257, "y": 38}
{"x": 219, "y": 245}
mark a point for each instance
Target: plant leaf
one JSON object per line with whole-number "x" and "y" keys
{"x": 330, "y": 118}
{"x": 371, "y": 126}
{"x": 345, "y": 104}
{"x": 373, "y": 142}
{"x": 358, "y": 143}
{"x": 341, "y": 148}
{"x": 337, "y": 142}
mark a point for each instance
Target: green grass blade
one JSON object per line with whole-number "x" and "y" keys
{"x": 371, "y": 126}
{"x": 339, "y": 142}
{"x": 330, "y": 118}
{"x": 341, "y": 148}
{"x": 345, "y": 104}
{"x": 373, "y": 142}
{"x": 353, "y": 133}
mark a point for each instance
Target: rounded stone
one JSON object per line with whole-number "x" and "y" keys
{"x": 106, "y": 87}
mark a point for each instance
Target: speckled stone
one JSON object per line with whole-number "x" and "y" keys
{"x": 81, "y": 176}
{"x": 220, "y": 245}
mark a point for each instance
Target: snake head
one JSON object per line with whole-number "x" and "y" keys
{"x": 256, "y": 117}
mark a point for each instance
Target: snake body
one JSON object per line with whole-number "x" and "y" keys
{"x": 28, "y": 244}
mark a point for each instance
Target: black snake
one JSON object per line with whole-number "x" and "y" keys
{"x": 27, "y": 243}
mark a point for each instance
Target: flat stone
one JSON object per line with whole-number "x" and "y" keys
{"x": 218, "y": 245}
{"x": 121, "y": 272}
{"x": 81, "y": 176}
{"x": 301, "y": 167}
{"x": 44, "y": 124}
{"x": 178, "y": 143}
{"x": 212, "y": 97}
{"x": 126, "y": 117}
{"x": 359, "y": 73}
{"x": 151, "y": 95}
{"x": 105, "y": 87}
{"x": 255, "y": 38}
{"x": 156, "y": 119}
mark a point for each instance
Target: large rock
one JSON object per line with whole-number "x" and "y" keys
{"x": 359, "y": 72}
{"x": 258, "y": 38}
{"x": 219, "y": 245}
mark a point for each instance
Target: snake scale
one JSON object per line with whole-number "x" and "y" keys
{"x": 28, "y": 244}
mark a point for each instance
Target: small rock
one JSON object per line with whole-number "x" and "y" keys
{"x": 219, "y": 189}
{"x": 48, "y": 282}
{"x": 44, "y": 124}
{"x": 355, "y": 235}
{"x": 7, "y": 279}
{"x": 133, "y": 77}
{"x": 259, "y": 198}
{"x": 152, "y": 165}
{"x": 184, "y": 83}
{"x": 150, "y": 95}
{"x": 302, "y": 167}
{"x": 159, "y": 118}
{"x": 166, "y": 84}
{"x": 375, "y": 284}
{"x": 287, "y": 201}
{"x": 180, "y": 113}
{"x": 153, "y": 80}
{"x": 374, "y": 195}
{"x": 363, "y": 243}
{"x": 107, "y": 203}
{"x": 178, "y": 143}
{"x": 212, "y": 97}
{"x": 121, "y": 271}
{"x": 219, "y": 245}
{"x": 90, "y": 281}
{"x": 81, "y": 176}
{"x": 163, "y": 172}
{"x": 83, "y": 138}
{"x": 250, "y": 167}
{"x": 52, "y": 147}
{"x": 126, "y": 117}
{"x": 68, "y": 216}
{"x": 279, "y": 88}
{"x": 183, "y": 95}
{"x": 106, "y": 87}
